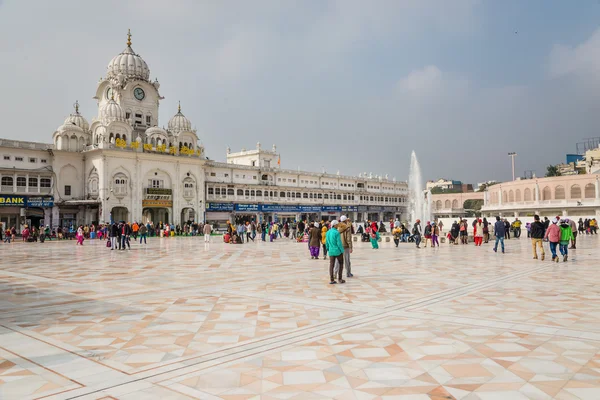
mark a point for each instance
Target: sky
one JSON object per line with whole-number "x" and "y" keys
{"x": 344, "y": 85}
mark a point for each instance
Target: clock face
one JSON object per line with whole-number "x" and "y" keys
{"x": 109, "y": 93}
{"x": 139, "y": 93}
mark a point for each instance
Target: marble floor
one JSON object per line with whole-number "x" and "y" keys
{"x": 181, "y": 319}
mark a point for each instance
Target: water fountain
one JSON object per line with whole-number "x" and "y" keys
{"x": 419, "y": 204}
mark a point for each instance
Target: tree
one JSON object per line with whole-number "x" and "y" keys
{"x": 484, "y": 186}
{"x": 473, "y": 207}
{"x": 552, "y": 170}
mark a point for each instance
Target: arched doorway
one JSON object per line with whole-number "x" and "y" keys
{"x": 155, "y": 215}
{"x": 188, "y": 215}
{"x": 119, "y": 214}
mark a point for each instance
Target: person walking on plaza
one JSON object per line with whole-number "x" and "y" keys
{"x": 314, "y": 241}
{"x": 417, "y": 233}
{"x": 486, "y": 230}
{"x": 323, "y": 241}
{"x": 374, "y": 235}
{"x": 517, "y": 228}
{"x": 80, "y": 235}
{"x": 335, "y": 248}
{"x": 427, "y": 233}
{"x": 435, "y": 233}
{"x": 478, "y": 233}
{"x": 573, "y": 226}
{"x": 499, "y": 232}
{"x": 397, "y": 233}
{"x": 441, "y": 226}
{"x": 143, "y": 232}
{"x": 536, "y": 232}
{"x": 454, "y": 232}
{"x": 345, "y": 229}
{"x": 207, "y": 230}
{"x": 566, "y": 235}
{"x": 553, "y": 236}
{"x": 464, "y": 232}
{"x": 506, "y": 229}
{"x": 114, "y": 236}
{"x": 580, "y": 226}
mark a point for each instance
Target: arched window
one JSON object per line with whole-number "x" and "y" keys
{"x": 447, "y": 204}
{"x": 527, "y": 195}
{"x": 326, "y": 196}
{"x": 120, "y": 185}
{"x": 21, "y": 181}
{"x": 281, "y": 194}
{"x": 259, "y": 193}
{"x": 252, "y": 193}
{"x": 546, "y": 194}
{"x": 153, "y": 142}
{"x": 504, "y": 196}
{"x": 111, "y": 137}
{"x": 188, "y": 188}
{"x": 339, "y": 196}
{"x": 240, "y": 192}
{"x": 438, "y": 205}
{"x": 73, "y": 143}
{"x": 575, "y": 192}
{"x": 230, "y": 192}
{"x": 7, "y": 181}
{"x": 559, "y": 193}
{"x": 590, "y": 191}
{"x": 247, "y": 193}
{"x": 518, "y": 195}
{"x": 124, "y": 137}
{"x": 454, "y": 203}
{"x": 511, "y": 196}
{"x": 118, "y": 136}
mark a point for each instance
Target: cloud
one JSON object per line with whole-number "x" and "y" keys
{"x": 581, "y": 59}
{"x": 421, "y": 80}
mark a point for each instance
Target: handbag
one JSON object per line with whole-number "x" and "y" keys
{"x": 108, "y": 243}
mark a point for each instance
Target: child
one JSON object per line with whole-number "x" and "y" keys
{"x": 450, "y": 238}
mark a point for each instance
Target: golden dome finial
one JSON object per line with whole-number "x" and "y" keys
{"x": 179, "y": 106}
{"x": 128, "y": 37}
{"x": 76, "y": 105}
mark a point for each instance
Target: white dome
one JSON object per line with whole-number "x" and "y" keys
{"x": 179, "y": 123}
{"x": 154, "y": 130}
{"x": 69, "y": 128}
{"x": 112, "y": 111}
{"x": 128, "y": 64}
{"x": 77, "y": 119}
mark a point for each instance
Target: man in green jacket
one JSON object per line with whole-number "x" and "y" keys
{"x": 335, "y": 248}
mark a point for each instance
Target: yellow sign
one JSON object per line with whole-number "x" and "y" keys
{"x": 157, "y": 203}
{"x": 12, "y": 200}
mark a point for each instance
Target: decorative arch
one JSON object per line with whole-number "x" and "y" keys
{"x": 590, "y": 191}
{"x": 559, "y": 192}
{"x": 546, "y": 193}
{"x": 518, "y": 195}
{"x": 575, "y": 192}
{"x": 447, "y": 204}
{"x": 511, "y": 196}
{"x": 438, "y": 205}
{"x": 527, "y": 195}
{"x": 68, "y": 176}
{"x": 454, "y": 203}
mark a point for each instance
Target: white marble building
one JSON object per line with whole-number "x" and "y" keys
{"x": 123, "y": 166}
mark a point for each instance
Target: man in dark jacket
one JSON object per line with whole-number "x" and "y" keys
{"x": 114, "y": 236}
{"x": 537, "y": 231}
{"x": 499, "y": 231}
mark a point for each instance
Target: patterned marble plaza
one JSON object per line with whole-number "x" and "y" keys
{"x": 181, "y": 319}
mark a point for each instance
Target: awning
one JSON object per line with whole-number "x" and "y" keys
{"x": 78, "y": 202}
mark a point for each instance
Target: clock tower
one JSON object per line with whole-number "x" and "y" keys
{"x": 128, "y": 83}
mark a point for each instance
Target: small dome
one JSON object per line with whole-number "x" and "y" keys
{"x": 77, "y": 119}
{"x": 128, "y": 64}
{"x": 69, "y": 128}
{"x": 112, "y": 111}
{"x": 179, "y": 123}
{"x": 155, "y": 130}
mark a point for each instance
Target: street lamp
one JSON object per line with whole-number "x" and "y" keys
{"x": 512, "y": 155}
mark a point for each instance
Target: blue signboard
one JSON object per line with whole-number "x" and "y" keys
{"x": 219, "y": 206}
{"x": 41, "y": 202}
{"x": 279, "y": 208}
{"x": 350, "y": 208}
{"x": 12, "y": 201}
{"x": 331, "y": 208}
{"x": 247, "y": 207}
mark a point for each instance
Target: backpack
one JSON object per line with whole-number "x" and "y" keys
{"x": 108, "y": 243}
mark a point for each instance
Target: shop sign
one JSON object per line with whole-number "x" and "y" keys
{"x": 247, "y": 207}
{"x": 350, "y": 208}
{"x": 159, "y": 191}
{"x": 41, "y": 202}
{"x": 332, "y": 209}
{"x": 219, "y": 206}
{"x": 279, "y": 208}
{"x": 362, "y": 208}
{"x": 13, "y": 201}
{"x": 157, "y": 203}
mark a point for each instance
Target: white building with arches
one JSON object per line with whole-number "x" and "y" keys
{"x": 122, "y": 165}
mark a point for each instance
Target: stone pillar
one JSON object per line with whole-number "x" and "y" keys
{"x": 55, "y": 216}
{"x": 500, "y": 197}
{"x": 47, "y": 216}
{"x": 27, "y": 183}
{"x": 39, "y": 178}
{"x": 15, "y": 182}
